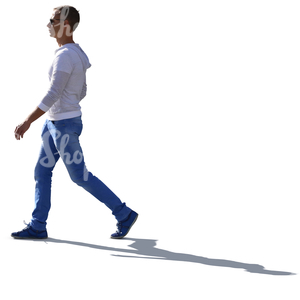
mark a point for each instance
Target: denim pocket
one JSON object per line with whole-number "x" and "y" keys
{"x": 61, "y": 123}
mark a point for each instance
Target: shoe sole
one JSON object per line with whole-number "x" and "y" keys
{"x": 29, "y": 238}
{"x": 120, "y": 237}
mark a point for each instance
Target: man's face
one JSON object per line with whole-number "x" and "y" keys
{"x": 54, "y": 28}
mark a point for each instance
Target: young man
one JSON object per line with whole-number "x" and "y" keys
{"x": 61, "y": 131}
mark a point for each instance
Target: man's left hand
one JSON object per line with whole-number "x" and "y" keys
{"x": 21, "y": 129}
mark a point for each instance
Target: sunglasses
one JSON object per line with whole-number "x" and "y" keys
{"x": 52, "y": 21}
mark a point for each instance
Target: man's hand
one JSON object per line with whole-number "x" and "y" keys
{"x": 21, "y": 129}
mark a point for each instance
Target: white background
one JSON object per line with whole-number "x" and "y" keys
{"x": 192, "y": 119}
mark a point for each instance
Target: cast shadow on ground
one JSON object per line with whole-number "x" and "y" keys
{"x": 145, "y": 249}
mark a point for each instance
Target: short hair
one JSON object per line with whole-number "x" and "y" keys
{"x": 70, "y": 14}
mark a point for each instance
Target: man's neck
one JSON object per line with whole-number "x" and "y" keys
{"x": 64, "y": 40}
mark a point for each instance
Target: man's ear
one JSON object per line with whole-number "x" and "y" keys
{"x": 66, "y": 23}
{"x": 69, "y": 30}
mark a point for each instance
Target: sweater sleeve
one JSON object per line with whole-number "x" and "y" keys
{"x": 83, "y": 92}
{"x": 59, "y": 81}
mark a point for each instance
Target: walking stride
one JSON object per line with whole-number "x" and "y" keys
{"x": 62, "y": 128}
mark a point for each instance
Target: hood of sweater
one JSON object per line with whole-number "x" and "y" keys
{"x": 84, "y": 58}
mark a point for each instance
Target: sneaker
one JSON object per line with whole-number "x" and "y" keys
{"x": 125, "y": 225}
{"x": 30, "y": 233}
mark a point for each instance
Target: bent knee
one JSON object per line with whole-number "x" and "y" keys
{"x": 79, "y": 180}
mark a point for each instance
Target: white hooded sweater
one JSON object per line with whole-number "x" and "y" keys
{"x": 67, "y": 76}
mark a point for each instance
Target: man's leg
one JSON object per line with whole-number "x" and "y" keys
{"x": 43, "y": 176}
{"x": 67, "y": 143}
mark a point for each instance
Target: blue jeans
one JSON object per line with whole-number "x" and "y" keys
{"x": 61, "y": 139}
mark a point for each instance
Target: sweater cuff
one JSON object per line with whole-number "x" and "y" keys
{"x": 43, "y": 107}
